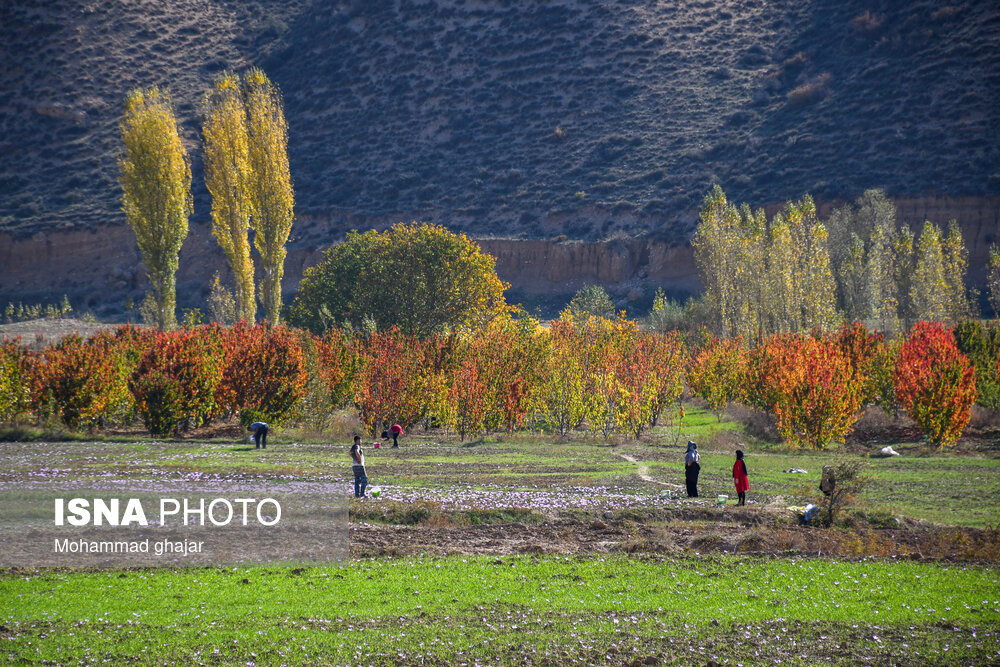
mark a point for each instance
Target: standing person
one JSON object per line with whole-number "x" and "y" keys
{"x": 396, "y": 430}
{"x": 740, "y": 478}
{"x": 691, "y": 469}
{"x": 259, "y": 434}
{"x": 358, "y": 466}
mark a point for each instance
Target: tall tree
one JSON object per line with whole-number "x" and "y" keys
{"x": 929, "y": 288}
{"x": 271, "y": 191}
{"x": 882, "y": 290}
{"x": 956, "y": 262}
{"x": 156, "y": 186}
{"x": 902, "y": 270}
{"x": 228, "y": 175}
{"x": 993, "y": 280}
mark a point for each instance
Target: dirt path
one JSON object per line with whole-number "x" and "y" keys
{"x": 642, "y": 470}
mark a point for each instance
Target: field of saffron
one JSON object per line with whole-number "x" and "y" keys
{"x": 537, "y": 550}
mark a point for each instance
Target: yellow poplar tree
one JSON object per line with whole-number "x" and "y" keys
{"x": 271, "y": 187}
{"x": 156, "y": 192}
{"x": 956, "y": 262}
{"x": 929, "y": 285}
{"x": 228, "y": 176}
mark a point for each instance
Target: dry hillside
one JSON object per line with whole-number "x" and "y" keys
{"x": 586, "y": 118}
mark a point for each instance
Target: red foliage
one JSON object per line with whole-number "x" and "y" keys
{"x": 935, "y": 382}
{"x": 175, "y": 383}
{"x": 83, "y": 378}
{"x": 396, "y": 384}
{"x": 264, "y": 374}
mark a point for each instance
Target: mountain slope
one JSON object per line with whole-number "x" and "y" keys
{"x": 518, "y": 118}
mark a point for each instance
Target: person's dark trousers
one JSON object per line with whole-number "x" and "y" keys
{"x": 742, "y": 497}
{"x": 360, "y": 481}
{"x": 395, "y": 440}
{"x": 262, "y": 438}
{"x": 691, "y": 478}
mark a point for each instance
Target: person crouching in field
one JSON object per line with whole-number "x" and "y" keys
{"x": 259, "y": 434}
{"x": 740, "y": 478}
{"x": 358, "y": 465}
{"x": 691, "y": 469}
{"x": 395, "y": 431}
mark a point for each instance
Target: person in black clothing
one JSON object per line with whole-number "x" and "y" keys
{"x": 358, "y": 466}
{"x": 691, "y": 469}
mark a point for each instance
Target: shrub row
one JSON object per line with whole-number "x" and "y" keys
{"x": 607, "y": 376}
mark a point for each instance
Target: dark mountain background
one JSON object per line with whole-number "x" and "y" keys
{"x": 586, "y": 120}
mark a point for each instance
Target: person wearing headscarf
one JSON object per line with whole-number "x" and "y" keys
{"x": 691, "y": 469}
{"x": 740, "y": 478}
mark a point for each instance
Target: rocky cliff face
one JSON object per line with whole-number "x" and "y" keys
{"x": 100, "y": 270}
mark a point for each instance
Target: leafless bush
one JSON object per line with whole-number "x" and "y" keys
{"x": 808, "y": 92}
{"x": 984, "y": 418}
{"x": 756, "y": 423}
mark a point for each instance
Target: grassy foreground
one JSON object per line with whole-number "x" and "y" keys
{"x": 534, "y": 610}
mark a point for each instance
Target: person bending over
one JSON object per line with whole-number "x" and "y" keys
{"x": 259, "y": 434}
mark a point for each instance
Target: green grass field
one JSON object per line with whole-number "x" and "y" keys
{"x": 517, "y": 609}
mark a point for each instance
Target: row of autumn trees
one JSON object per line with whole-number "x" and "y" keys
{"x": 607, "y": 375}
{"x": 245, "y": 153}
{"x": 603, "y": 375}
{"x": 794, "y": 272}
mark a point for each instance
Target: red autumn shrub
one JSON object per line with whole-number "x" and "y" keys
{"x": 84, "y": 380}
{"x": 467, "y": 399}
{"x": 935, "y": 382}
{"x": 810, "y": 385}
{"x": 264, "y": 375}
{"x": 397, "y": 383}
{"x": 175, "y": 383}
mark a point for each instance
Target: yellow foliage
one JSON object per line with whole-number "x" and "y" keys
{"x": 156, "y": 191}
{"x": 228, "y": 178}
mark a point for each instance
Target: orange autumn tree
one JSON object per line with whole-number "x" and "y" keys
{"x": 467, "y": 399}
{"x": 810, "y": 385}
{"x": 396, "y": 381}
{"x": 935, "y": 383}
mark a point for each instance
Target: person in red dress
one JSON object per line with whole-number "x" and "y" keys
{"x": 740, "y": 478}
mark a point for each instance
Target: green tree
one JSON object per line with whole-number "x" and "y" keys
{"x": 929, "y": 287}
{"x": 221, "y": 304}
{"x": 902, "y": 270}
{"x": 419, "y": 277}
{"x": 591, "y": 300}
{"x": 156, "y": 192}
{"x": 956, "y": 262}
{"x": 666, "y": 314}
{"x": 271, "y": 191}
{"x": 993, "y": 280}
{"x": 228, "y": 176}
